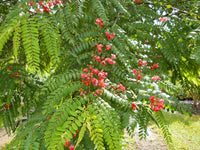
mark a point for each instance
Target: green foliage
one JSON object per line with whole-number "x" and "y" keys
{"x": 49, "y": 51}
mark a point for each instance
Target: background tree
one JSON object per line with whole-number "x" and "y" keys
{"x": 49, "y": 50}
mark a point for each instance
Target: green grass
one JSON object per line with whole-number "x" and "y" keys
{"x": 185, "y": 131}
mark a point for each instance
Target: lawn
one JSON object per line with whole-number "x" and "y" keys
{"x": 185, "y": 132}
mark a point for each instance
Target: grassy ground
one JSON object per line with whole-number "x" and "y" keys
{"x": 185, "y": 132}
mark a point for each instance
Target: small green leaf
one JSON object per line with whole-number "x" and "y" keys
{"x": 169, "y": 6}
{"x": 81, "y": 134}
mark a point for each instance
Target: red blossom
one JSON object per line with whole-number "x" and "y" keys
{"x": 40, "y": 3}
{"x": 50, "y": 4}
{"x": 134, "y": 71}
{"x": 16, "y": 75}
{"x": 151, "y": 68}
{"x": 95, "y": 71}
{"x": 139, "y": 77}
{"x": 85, "y": 70}
{"x": 134, "y": 106}
{"x": 103, "y": 63}
{"x": 156, "y": 104}
{"x": 46, "y": 9}
{"x": 97, "y": 58}
{"x": 99, "y": 91}
{"x": 138, "y": 1}
{"x": 155, "y": 66}
{"x": 57, "y": 1}
{"x": 140, "y": 62}
{"x": 113, "y": 56}
{"x": 10, "y": 105}
{"x": 155, "y": 78}
{"x": 67, "y": 143}
{"x": 101, "y": 25}
{"x": 159, "y": 56}
{"x": 108, "y": 47}
{"x": 163, "y": 19}
{"x": 110, "y": 36}
{"x": 9, "y": 67}
{"x": 121, "y": 87}
{"x": 6, "y": 106}
{"x": 99, "y": 47}
{"x": 98, "y": 21}
{"x": 31, "y": 3}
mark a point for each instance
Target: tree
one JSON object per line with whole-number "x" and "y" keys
{"x": 67, "y": 73}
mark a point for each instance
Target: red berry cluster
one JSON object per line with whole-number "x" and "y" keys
{"x": 138, "y": 73}
{"x": 46, "y": 6}
{"x": 67, "y": 143}
{"x": 99, "y": 21}
{"x": 104, "y": 60}
{"x": 118, "y": 88}
{"x": 15, "y": 74}
{"x": 93, "y": 76}
{"x": 156, "y": 104}
{"x": 154, "y": 66}
{"x": 133, "y": 106}
{"x": 138, "y": 1}
{"x": 110, "y": 36}
{"x": 7, "y": 107}
{"x": 142, "y": 63}
{"x": 155, "y": 78}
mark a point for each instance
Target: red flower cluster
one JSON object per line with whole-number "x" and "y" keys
{"x": 155, "y": 78}
{"x": 156, "y": 104}
{"x": 43, "y": 6}
{"x": 134, "y": 106}
{"x": 91, "y": 79}
{"x": 7, "y": 107}
{"x": 138, "y": 1}
{"x": 138, "y": 73}
{"x": 109, "y": 60}
{"x": 72, "y": 147}
{"x": 110, "y": 36}
{"x": 163, "y": 19}
{"x": 67, "y": 143}
{"x": 159, "y": 56}
{"x": 15, "y": 74}
{"x": 46, "y": 9}
{"x": 154, "y": 66}
{"x": 31, "y": 3}
{"x": 99, "y": 46}
{"x": 99, "y": 21}
{"x": 140, "y": 63}
{"x": 9, "y": 67}
{"x": 118, "y": 88}
{"x": 82, "y": 91}
{"x": 108, "y": 47}
{"x": 121, "y": 87}
{"x": 94, "y": 77}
